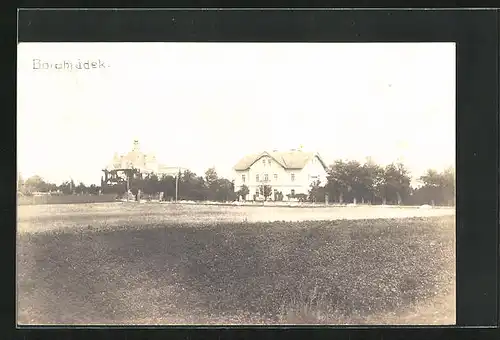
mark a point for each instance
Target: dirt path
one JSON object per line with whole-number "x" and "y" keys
{"x": 106, "y": 215}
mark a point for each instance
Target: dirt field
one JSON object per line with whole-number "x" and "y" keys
{"x": 36, "y": 218}
{"x": 171, "y": 264}
{"x": 65, "y": 199}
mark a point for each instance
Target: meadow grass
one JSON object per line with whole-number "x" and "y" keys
{"x": 309, "y": 272}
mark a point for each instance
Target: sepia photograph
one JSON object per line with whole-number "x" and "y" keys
{"x": 236, "y": 184}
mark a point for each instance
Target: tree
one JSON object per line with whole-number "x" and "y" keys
{"x": 448, "y": 186}
{"x": 199, "y": 191}
{"x": 80, "y": 188}
{"x": 167, "y": 185}
{"x": 396, "y": 184}
{"x": 379, "y": 185}
{"x": 35, "y": 184}
{"x": 211, "y": 176}
{"x": 372, "y": 178}
{"x": 431, "y": 178}
{"x": 265, "y": 190}
{"x": 93, "y": 189}
{"x": 135, "y": 181}
{"x": 67, "y": 187}
{"x": 213, "y": 185}
{"x": 151, "y": 184}
{"x": 225, "y": 190}
{"x": 369, "y": 182}
{"x": 317, "y": 192}
{"x": 192, "y": 187}
{"x": 438, "y": 188}
{"x": 356, "y": 188}
{"x": 341, "y": 179}
{"x": 336, "y": 185}
{"x": 243, "y": 192}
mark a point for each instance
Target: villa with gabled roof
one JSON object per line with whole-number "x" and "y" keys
{"x": 287, "y": 172}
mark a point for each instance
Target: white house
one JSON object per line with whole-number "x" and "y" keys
{"x": 290, "y": 172}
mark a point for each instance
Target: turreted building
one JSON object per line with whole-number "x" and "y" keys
{"x": 138, "y": 161}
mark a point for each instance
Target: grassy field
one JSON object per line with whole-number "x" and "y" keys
{"x": 130, "y": 264}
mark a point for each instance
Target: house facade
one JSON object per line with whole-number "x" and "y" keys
{"x": 136, "y": 159}
{"x": 289, "y": 173}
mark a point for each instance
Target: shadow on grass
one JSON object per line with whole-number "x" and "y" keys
{"x": 260, "y": 272}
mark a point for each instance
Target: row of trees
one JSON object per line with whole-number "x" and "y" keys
{"x": 351, "y": 181}
{"x": 347, "y": 182}
{"x": 188, "y": 186}
{"x": 36, "y": 184}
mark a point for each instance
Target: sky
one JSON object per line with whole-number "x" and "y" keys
{"x": 202, "y": 105}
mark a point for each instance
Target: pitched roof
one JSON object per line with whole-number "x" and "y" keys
{"x": 294, "y": 159}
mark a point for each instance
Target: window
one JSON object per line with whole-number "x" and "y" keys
{"x": 292, "y": 177}
{"x": 256, "y": 178}
{"x": 275, "y": 177}
{"x": 269, "y": 161}
{"x": 243, "y": 178}
{"x": 264, "y": 162}
{"x": 266, "y": 178}
{"x": 292, "y": 192}
{"x": 257, "y": 193}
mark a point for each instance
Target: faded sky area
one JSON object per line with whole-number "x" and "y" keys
{"x": 199, "y": 105}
